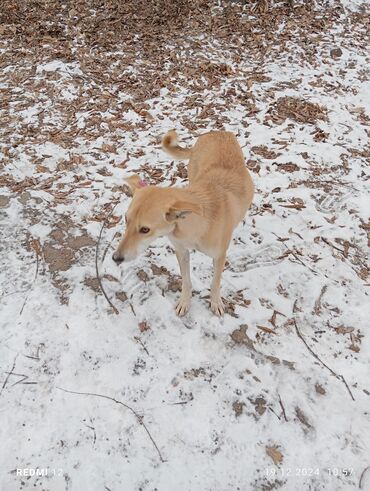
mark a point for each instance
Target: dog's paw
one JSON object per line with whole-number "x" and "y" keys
{"x": 217, "y": 306}
{"x": 183, "y": 305}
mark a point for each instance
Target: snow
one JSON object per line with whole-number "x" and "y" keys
{"x": 61, "y": 362}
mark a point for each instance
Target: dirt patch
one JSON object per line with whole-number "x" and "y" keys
{"x": 93, "y": 283}
{"x": 239, "y": 336}
{"x": 80, "y": 241}
{"x": 121, "y": 296}
{"x": 62, "y": 286}
{"x": 238, "y": 408}
{"x": 58, "y": 258}
{"x": 4, "y": 201}
{"x": 260, "y": 405}
{"x": 60, "y": 252}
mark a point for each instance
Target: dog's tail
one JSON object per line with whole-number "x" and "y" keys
{"x": 170, "y": 144}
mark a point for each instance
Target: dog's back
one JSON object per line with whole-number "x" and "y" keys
{"x": 215, "y": 150}
{"x": 216, "y": 169}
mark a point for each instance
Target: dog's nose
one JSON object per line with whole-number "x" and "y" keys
{"x": 117, "y": 258}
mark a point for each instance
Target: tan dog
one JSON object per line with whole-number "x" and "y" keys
{"x": 200, "y": 216}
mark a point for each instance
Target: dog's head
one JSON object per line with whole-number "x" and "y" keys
{"x": 153, "y": 213}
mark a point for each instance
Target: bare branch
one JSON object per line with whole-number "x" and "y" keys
{"x": 140, "y": 419}
{"x": 362, "y": 476}
{"x": 282, "y": 408}
{"x": 339, "y": 377}
{"x": 115, "y": 310}
{"x": 8, "y": 374}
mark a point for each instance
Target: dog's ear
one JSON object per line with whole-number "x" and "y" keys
{"x": 135, "y": 182}
{"x": 180, "y": 209}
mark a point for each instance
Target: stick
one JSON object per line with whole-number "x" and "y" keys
{"x": 278, "y": 417}
{"x": 296, "y": 257}
{"x": 339, "y": 377}
{"x": 9, "y": 373}
{"x": 283, "y": 408}
{"x": 331, "y": 245}
{"x": 140, "y": 419}
{"x": 138, "y": 340}
{"x": 115, "y": 310}
{"x": 317, "y": 308}
{"x": 362, "y": 476}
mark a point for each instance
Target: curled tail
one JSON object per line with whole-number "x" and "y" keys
{"x": 170, "y": 144}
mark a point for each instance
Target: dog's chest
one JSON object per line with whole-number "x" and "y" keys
{"x": 190, "y": 244}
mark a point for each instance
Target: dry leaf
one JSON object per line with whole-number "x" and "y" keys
{"x": 274, "y": 454}
{"x": 343, "y": 330}
{"x": 143, "y": 326}
{"x": 266, "y": 329}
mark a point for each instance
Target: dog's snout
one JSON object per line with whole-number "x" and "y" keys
{"x": 117, "y": 258}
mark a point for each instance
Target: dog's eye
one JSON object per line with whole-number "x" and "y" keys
{"x": 144, "y": 230}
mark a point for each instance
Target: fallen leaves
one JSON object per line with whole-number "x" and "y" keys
{"x": 260, "y": 405}
{"x": 343, "y": 330}
{"x": 274, "y": 453}
{"x": 143, "y": 326}
{"x": 302, "y": 418}
{"x": 288, "y": 167}
{"x": 265, "y": 152}
{"x": 320, "y": 389}
{"x": 266, "y": 329}
{"x": 299, "y": 110}
{"x": 238, "y": 408}
{"x": 336, "y": 53}
{"x": 36, "y": 246}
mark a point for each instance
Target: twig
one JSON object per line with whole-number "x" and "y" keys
{"x": 132, "y": 308}
{"x": 362, "y": 476}
{"x": 23, "y": 306}
{"x": 93, "y": 429}
{"x": 138, "y": 340}
{"x": 37, "y": 266}
{"x": 140, "y": 419}
{"x": 332, "y": 245}
{"x": 339, "y": 377}
{"x": 296, "y": 257}
{"x": 9, "y": 373}
{"x": 282, "y": 408}
{"x": 304, "y": 264}
{"x": 34, "y": 279}
{"x": 317, "y": 308}
{"x": 278, "y": 417}
{"x": 24, "y": 377}
{"x": 115, "y": 310}
{"x": 107, "y": 248}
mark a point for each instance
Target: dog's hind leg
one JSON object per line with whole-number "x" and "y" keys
{"x": 217, "y": 305}
{"x": 183, "y": 304}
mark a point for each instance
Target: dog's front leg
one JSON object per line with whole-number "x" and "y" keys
{"x": 183, "y": 257}
{"x": 217, "y": 305}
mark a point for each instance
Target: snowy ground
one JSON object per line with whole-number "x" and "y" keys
{"x": 127, "y": 396}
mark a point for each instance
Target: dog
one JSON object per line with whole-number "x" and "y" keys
{"x": 200, "y": 216}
